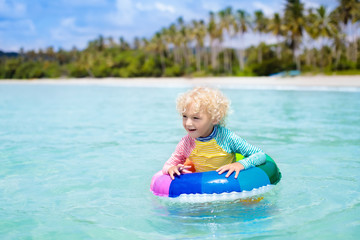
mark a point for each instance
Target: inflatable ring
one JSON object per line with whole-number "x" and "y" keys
{"x": 211, "y": 182}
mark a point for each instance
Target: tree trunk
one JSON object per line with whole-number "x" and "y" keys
{"x": 260, "y": 50}
{"x": 278, "y": 49}
{"x": 176, "y": 55}
{"x": 206, "y": 59}
{"x": 162, "y": 61}
{"x": 213, "y": 57}
{"x": 355, "y": 50}
{"x": 241, "y": 59}
{"x": 186, "y": 57}
{"x": 307, "y": 57}
{"x": 230, "y": 61}
{"x": 225, "y": 60}
{"x": 338, "y": 55}
{"x": 260, "y": 53}
{"x": 198, "y": 58}
{"x": 296, "y": 59}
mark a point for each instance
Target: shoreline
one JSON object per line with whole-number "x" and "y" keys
{"x": 298, "y": 82}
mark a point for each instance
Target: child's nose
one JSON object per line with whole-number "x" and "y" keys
{"x": 188, "y": 122}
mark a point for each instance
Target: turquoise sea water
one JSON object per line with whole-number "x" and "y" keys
{"x": 76, "y": 163}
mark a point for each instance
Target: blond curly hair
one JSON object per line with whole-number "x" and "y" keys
{"x": 207, "y": 100}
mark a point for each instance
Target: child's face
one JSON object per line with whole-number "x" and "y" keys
{"x": 197, "y": 124}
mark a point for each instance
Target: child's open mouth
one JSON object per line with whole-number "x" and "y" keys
{"x": 192, "y": 130}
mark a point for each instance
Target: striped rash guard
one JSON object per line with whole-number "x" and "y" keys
{"x": 214, "y": 151}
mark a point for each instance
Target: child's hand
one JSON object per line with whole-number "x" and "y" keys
{"x": 178, "y": 170}
{"x": 237, "y": 167}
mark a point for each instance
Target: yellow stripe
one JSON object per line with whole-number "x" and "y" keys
{"x": 208, "y": 156}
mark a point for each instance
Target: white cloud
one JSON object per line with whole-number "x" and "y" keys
{"x": 164, "y": 8}
{"x": 123, "y": 15}
{"x": 142, "y": 7}
{"x": 267, "y": 10}
{"x": 68, "y": 29}
{"x": 12, "y": 9}
{"x": 68, "y": 22}
{"x": 69, "y": 34}
{"x": 157, "y": 6}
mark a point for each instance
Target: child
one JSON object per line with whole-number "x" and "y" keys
{"x": 208, "y": 144}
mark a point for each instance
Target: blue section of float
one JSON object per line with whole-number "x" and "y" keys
{"x": 186, "y": 184}
{"x": 252, "y": 178}
{"x": 212, "y": 182}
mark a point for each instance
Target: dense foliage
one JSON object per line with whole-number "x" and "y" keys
{"x": 310, "y": 40}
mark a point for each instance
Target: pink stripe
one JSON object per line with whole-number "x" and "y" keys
{"x": 182, "y": 151}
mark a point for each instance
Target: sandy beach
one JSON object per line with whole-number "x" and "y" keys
{"x": 302, "y": 82}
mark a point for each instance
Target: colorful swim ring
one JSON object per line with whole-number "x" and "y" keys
{"x": 211, "y": 182}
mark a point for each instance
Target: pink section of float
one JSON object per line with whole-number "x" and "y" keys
{"x": 162, "y": 186}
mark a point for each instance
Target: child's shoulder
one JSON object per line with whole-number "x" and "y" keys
{"x": 225, "y": 132}
{"x": 187, "y": 139}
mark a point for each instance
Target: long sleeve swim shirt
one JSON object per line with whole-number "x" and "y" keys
{"x": 216, "y": 150}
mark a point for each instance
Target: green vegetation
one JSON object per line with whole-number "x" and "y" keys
{"x": 310, "y": 40}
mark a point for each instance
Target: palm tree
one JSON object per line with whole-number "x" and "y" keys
{"x": 260, "y": 27}
{"x": 50, "y": 53}
{"x": 158, "y": 47}
{"x": 348, "y": 14}
{"x": 243, "y": 25}
{"x": 227, "y": 22}
{"x": 123, "y": 44}
{"x": 101, "y": 43}
{"x": 173, "y": 36}
{"x": 311, "y": 34}
{"x": 111, "y": 42}
{"x": 97, "y": 44}
{"x": 184, "y": 39}
{"x": 324, "y": 27}
{"x": 277, "y": 28}
{"x": 199, "y": 31}
{"x": 137, "y": 43}
{"x": 294, "y": 22}
{"x": 87, "y": 60}
{"x": 339, "y": 37}
{"x": 215, "y": 33}
{"x": 339, "y": 40}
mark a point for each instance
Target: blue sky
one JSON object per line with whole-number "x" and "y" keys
{"x": 35, "y": 24}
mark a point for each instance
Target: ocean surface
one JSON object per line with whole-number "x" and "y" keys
{"x": 76, "y": 162}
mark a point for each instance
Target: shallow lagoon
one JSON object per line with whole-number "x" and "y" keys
{"x": 76, "y": 163}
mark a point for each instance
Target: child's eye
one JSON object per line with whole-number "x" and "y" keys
{"x": 184, "y": 116}
{"x": 196, "y": 118}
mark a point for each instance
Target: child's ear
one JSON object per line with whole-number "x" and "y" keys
{"x": 215, "y": 121}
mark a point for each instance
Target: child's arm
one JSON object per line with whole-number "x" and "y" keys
{"x": 253, "y": 160}
{"x": 254, "y": 156}
{"x": 178, "y": 158}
